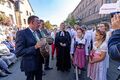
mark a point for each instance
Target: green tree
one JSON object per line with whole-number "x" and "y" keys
{"x": 48, "y": 25}
{"x": 70, "y": 21}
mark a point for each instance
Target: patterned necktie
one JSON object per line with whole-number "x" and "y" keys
{"x": 36, "y": 36}
{"x": 42, "y": 33}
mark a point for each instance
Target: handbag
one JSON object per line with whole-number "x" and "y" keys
{"x": 44, "y": 50}
{"x": 94, "y": 55}
{"x": 92, "y": 52}
{"x": 49, "y": 40}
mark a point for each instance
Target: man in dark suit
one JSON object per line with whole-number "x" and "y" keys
{"x": 27, "y": 47}
{"x": 114, "y": 48}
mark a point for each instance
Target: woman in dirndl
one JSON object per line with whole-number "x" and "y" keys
{"x": 97, "y": 67}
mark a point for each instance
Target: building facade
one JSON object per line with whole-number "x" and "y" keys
{"x": 8, "y": 9}
{"x": 23, "y": 11}
{"x": 87, "y": 12}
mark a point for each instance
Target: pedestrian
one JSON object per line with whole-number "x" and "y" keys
{"x": 44, "y": 33}
{"x": 114, "y": 45}
{"x": 27, "y": 47}
{"x": 53, "y": 34}
{"x": 97, "y": 67}
{"x": 104, "y": 26}
{"x": 63, "y": 42}
{"x": 78, "y": 49}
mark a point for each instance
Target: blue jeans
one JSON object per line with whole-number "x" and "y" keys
{"x": 3, "y": 65}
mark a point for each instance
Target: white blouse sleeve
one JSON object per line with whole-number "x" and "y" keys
{"x": 104, "y": 47}
{"x": 72, "y": 47}
{"x": 52, "y": 35}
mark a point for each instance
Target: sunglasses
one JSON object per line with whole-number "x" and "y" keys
{"x": 112, "y": 14}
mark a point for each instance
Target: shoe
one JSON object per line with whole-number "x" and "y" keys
{"x": 2, "y": 74}
{"x": 83, "y": 69}
{"x": 43, "y": 73}
{"x": 48, "y": 68}
{"x": 119, "y": 68}
{"x": 8, "y": 72}
{"x": 58, "y": 69}
{"x": 67, "y": 70}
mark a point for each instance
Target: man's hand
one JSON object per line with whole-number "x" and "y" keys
{"x": 63, "y": 45}
{"x": 115, "y": 21}
{"x": 39, "y": 44}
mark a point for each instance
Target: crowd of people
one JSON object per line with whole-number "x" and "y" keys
{"x": 7, "y": 51}
{"x": 84, "y": 47}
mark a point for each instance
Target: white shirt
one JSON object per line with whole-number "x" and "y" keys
{"x": 83, "y": 41}
{"x": 4, "y": 48}
{"x": 53, "y": 35}
{"x": 93, "y": 35}
{"x": 88, "y": 37}
{"x": 74, "y": 33}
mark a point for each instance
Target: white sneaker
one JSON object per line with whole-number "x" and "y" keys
{"x": 119, "y": 68}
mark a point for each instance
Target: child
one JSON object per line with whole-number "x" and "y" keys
{"x": 78, "y": 49}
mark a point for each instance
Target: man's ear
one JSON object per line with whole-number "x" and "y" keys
{"x": 32, "y": 22}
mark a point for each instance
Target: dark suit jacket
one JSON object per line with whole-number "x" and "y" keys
{"x": 114, "y": 45}
{"x": 113, "y": 49}
{"x": 31, "y": 57}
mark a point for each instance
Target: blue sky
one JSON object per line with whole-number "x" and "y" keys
{"x": 55, "y": 11}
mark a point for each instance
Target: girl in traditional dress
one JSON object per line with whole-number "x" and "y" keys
{"x": 97, "y": 67}
{"x": 78, "y": 48}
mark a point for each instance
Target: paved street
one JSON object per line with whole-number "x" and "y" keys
{"x": 50, "y": 75}
{"x": 56, "y": 75}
